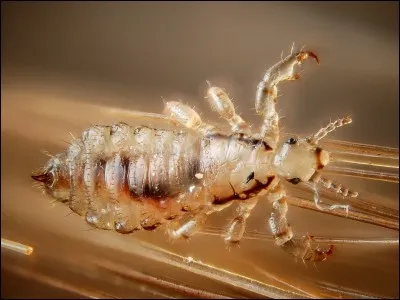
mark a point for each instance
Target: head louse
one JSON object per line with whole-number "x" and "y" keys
{"x": 128, "y": 178}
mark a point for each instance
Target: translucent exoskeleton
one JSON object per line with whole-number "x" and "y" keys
{"x": 129, "y": 178}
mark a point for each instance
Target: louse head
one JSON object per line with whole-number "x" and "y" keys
{"x": 298, "y": 160}
{"x": 53, "y": 178}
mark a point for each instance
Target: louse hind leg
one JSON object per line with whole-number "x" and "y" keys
{"x": 267, "y": 92}
{"x": 186, "y": 116}
{"x": 222, "y": 104}
{"x": 237, "y": 226}
{"x": 300, "y": 248}
{"x": 192, "y": 222}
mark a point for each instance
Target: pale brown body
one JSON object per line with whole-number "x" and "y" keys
{"x": 129, "y": 178}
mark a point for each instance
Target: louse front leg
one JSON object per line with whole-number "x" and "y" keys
{"x": 186, "y": 116}
{"x": 300, "y": 248}
{"x": 237, "y": 226}
{"x": 267, "y": 92}
{"x": 222, "y": 104}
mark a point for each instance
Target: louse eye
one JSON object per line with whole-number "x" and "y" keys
{"x": 294, "y": 180}
{"x": 292, "y": 141}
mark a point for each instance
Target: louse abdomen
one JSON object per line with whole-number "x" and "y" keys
{"x": 126, "y": 178}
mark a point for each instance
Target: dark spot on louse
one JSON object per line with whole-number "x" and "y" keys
{"x": 249, "y": 193}
{"x": 125, "y": 161}
{"x": 253, "y": 142}
{"x": 281, "y": 233}
{"x": 250, "y": 177}
{"x": 318, "y": 151}
{"x": 241, "y": 138}
{"x": 266, "y": 146}
{"x": 295, "y": 180}
{"x": 233, "y": 189}
{"x": 151, "y": 227}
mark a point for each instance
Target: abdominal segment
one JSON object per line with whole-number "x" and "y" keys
{"x": 126, "y": 178}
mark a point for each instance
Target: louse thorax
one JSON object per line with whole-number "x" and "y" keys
{"x": 297, "y": 160}
{"x": 54, "y": 177}
{"x": 235, "y": 167}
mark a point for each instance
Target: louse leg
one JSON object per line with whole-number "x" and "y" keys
{"x": 222, "y": 104}
{"x": 191, "y": 222}
{"x": 267, "y": 92}
{"x": 187, "y": 225}
{"x": 186, "y": 116}
{"x": 237, "y": 226}
{"x": 298, "y": 247}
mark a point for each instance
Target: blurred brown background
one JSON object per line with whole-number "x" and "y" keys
{"x": 57, "y": 57}
{"x": 165, "y": 48}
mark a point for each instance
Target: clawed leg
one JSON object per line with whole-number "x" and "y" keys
{"x": 222, "y": 104}
{"x": 267, "y": 92}
{"x": 280, "y": 228}
{"x": 237, "y": 226}
{"x": 301, "y": 248}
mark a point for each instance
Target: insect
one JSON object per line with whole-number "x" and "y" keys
{"x": 127, "y": 178}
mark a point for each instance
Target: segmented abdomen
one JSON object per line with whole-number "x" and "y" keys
{"x": 130, "y": 178}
